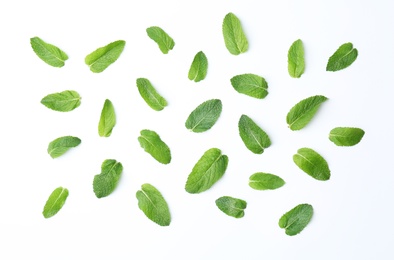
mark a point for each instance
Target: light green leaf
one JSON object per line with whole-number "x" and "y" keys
{"x": 302, "y": 113}
{"x": 233, "y": 34}
{"x": 296, "y": 219}
{"x": 207, "y": 171}
{"x": 231, "y": 206}
{"x": 343, "y": 57}
{"x": 154, "y": 206}
{"x": 101, "y": 58}
{"x": 251, "y": 85}
{"x": 198, "y": 69}
{"x": 49, "y": 53}
{"x": 107, "y": 119}
{"x": 346, "y": 136}
{"x": 254, "y": 138}
{"x": 105, "y": 182}
{"x": 204, "y": 116}
{"x": 61, "y": 145}
{"x": 65, "y": 101}
{"x": 55, "y": 202}
{"x": 150, "y": 95}
{"x": 163, "y": 40}
{"x": 312, "y": 163}
{"x": 295, "y": 59}
{"x": 265, "y": 181}
{"x": 150, "y": 141}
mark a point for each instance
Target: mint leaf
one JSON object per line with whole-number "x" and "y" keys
{"x": 254, "y": 138}
{"x": 61, "y": 145}
{"x": 151, "y": 142}
{"x": 203, "y": 117}
{"x": 346, "y": 136}
{"x": 65, "y": 101}
{"x": 107, "y": 119}
{"x": 49, "y": 53}
{"x": 265, "y": 181}
{"x": 163, "y": 40}
{"x": 312, "y": 163}
{"x": 343, "y": 57}
{"x": 150, "y": 95}
{"x": 233, "y": 34}
{"x": 198, "y": 69}
{"x": 105, "y": 182}
{"x": 302, "y": 112}
{"x": 295, "y": 59}
{"x": 154, "y": 206}
{"x": 207, "y": 171}
{"x": 251, "y": 85}
{"x": 101, "y": 58}
{"x": 55, "y": 202}
{"x": 231, "y": 206}
{"x": 296, "y": 219}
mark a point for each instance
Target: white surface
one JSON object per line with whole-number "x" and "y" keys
{"x": 353, "y": 210}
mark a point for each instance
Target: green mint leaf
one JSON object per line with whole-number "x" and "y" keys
{"x": 101, "y": 58}
{"x": 233, "y": 34}
{"x": 343, "y": 57}
{"x": 105, "y": 182}
{"x": 163, "y": 40}
{"x": 55, "y": 202}
{"x": 312, "y": 163}
{"x": 198, "y": 69}
{"x": 150, "y": 95}
{"x": 251, "y": 85}
{"x": 49, "y": 53}
{"x": 302, "y": 113}
{"x": 203, "y": 117}
{"x": 150, "y": 141}
{"x": 346, "y": 136}
{"x": 207, "y": 171}
{"x": 265, "y": 181}
{"x": 107, "y": 119}
{"x": 254, "y": 138}
{"x": 296, "y": 219}
{"x": 231, "y": 206}
{"x": 65, "y": 101}
{"x": 295, "y": 59}
{"x": 154, "y": 206}
{"x": 61, "y": 145}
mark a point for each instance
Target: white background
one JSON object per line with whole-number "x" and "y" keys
{"x": 353, "y": 210}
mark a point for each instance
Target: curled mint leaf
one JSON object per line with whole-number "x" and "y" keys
{"x": 49, "y": 53}
{"x": 346, "y": 136}
{"x": 295, "y": 59}
{"x": 105, "y": 182}
{"x": 150, "y": 95}
{"x": 55, "y": 202}
{"x": 251, "y": 85}
{"x": 207, "y": 171}
{"x": 198, "y": 69}
{"x": 101, "y": 58}
{"x": 153, "y": 204}
{"x": 302, "y": 112}
{"x": 151, "y": 142}
{"x": 107, "y": 119}
{"x": 312, "y": 163}
{"x": 265, "y": 181}
{"x": 254, "y": 138}
{"x": 233, "y": 34}
{"x": 232, "y": 207}
{"x": 296, "y": 219}
{"x": 64, "y": 101}
{"x": 342, "y": 58}
{"x": 163, "y": 40}
{"x": 61, "y": 145}
{"x": 204, "y": 116}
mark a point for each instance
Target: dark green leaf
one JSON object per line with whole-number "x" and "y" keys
{"x": 233, "y": 34}
{"x": 198, "y": 69}
{"x": 312, "y": 163}
{"x": 150, "y": 95}
{"x": 49, "y": 53}
{"x": 343, "y": 57}
{"x": 346, "y": 136}
{"x": 63, "y": 101}
{"x": 105, "y": 182}
{"x": 107, "y": 119}
{"x": 251, "y": 85}
{"x": 204, "y": 116}
{"x": 152, "y": 144}
{"x": 61, "y": 145}
{"x": 163, "y": 40}
{"x": 254, "y": 138}
{"x": 296, "y": 219}
{"x": 55, "y": 202}
{"x": 265, "y": 181}
{"x": 101, "y": 58}
{"x": 231, "y": 206}
{"x": 295, "y": 59}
